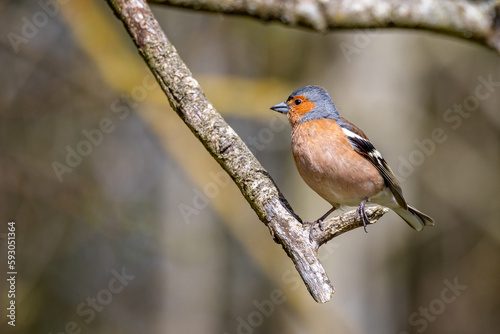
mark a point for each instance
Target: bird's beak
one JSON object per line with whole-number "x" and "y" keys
{"x": 280, "y": 107}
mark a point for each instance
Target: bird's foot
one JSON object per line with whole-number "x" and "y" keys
{"x": 361, "y": 213}
{"x": 318, "y": 222}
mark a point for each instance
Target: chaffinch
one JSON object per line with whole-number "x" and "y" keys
{"x": 338, "y": 161}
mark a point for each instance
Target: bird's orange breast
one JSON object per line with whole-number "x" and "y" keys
{"x": 330, "y": 166}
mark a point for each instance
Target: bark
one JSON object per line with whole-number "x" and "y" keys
{"x": 472, "y": 20}
{"x": 221, "y": 141}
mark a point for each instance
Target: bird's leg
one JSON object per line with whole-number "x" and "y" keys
{"x": 362, "y": 214}
{"x": 319, "y": 221}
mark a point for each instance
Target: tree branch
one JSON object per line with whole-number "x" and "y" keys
{"x": 188, "y": 100}
{"x": 473, "y": 20}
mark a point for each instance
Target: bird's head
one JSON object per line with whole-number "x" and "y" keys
{"x": 306, "y": 104}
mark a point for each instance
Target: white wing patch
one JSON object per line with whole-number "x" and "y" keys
{"x": 374, "y": 152}
{"x": 366, "y": 148}
{"x": 349, "y": 133}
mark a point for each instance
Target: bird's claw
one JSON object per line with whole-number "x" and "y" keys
{"x": 316, "y": 222}
{"x": 361, "y": 213}
{"x": 319, "y": 221}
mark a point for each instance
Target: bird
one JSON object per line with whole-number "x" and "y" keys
{"x": 337, "y": 160}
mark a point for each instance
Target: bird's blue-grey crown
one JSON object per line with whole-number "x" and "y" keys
{"x": 324, "y": 106}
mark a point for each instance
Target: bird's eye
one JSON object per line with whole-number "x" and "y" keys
{"x": 297, "y": 102}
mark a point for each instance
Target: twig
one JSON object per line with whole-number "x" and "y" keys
{"x": 473, "y": 20}
{"x": 188, "y": 100}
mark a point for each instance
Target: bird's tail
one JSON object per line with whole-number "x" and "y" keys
{"x": 416, "y": 219}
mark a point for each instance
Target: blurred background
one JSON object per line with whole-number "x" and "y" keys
{"x": 125, "y": 224}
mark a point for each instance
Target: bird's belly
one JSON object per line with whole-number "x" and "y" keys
{"x": 336, "y": 174}
{"x": 337, "y": 187}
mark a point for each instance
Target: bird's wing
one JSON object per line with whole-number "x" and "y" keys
{"x": 363, "y": 146}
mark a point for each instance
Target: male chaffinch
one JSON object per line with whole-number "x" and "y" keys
{"x": 337, "y": 160}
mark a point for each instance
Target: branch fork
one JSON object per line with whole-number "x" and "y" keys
{"x": 221, "y": 141}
